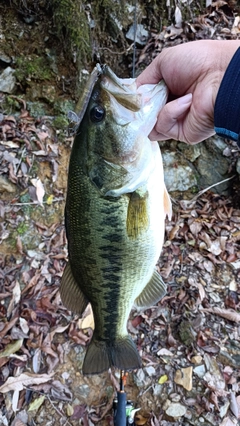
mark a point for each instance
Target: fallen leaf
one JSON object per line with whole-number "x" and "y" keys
{"x": 16, "y": 294}
{"x": 70, "y": 410}
{"x": 87, "y": 321}
{"x": 162, "y": 379}
{"x": 15, "y": 399}
{"x": 11, "y": 348}
{"x": 227, "y": 422}
{"x": 36, "y": 404}
{"x": 40, "y": 191}
{"x": 234, "y": 405}
{"x": 140, "y": 420}
{"x": 78, "y": 412}
{"x": 36, "y": 360}
{"x": 228, "y": 314}
{"x": 18, "y": 422}
{"x": 24, "y": 380}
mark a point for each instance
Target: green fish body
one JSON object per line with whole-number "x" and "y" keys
{"x": 115, "y": 211}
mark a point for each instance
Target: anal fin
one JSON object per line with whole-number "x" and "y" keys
{"x": 152, "y": 293}
{"x": 71, "y": 295}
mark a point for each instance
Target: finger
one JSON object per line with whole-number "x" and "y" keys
{"x": 168, "y": 122}
{"x": 151, "y": 75}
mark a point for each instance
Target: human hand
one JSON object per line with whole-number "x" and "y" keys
{"x": 193, "y": 72}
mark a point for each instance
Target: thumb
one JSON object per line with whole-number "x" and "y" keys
{"x": 168, "y": 122}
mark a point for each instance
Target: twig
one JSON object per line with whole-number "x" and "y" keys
{"x": 209, "y": 187}
{"x": 35, "y": 203}
{"x": 56, "y": 409}
{"x": 117, "y": 53}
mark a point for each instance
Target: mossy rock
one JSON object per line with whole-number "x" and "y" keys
{"x": 32, "y": 67}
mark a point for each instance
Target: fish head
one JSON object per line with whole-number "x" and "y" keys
{"x": 118, "y": 119}
{"x": 122, "y": 114}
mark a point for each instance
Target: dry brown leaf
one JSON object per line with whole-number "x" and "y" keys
{"x": 228, "y": 314}
{"x": 140, "y": 420}
{"x": 227, "y": 422}
{"x": 40, "y": 191}
{"x": 24, "y": 380}
{"x": 201, "y": 290}
{"x": 18, "y": 422}
{"x": 16, "y": 294}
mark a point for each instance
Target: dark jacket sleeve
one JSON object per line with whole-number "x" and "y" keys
{"x": 227, "y": 106}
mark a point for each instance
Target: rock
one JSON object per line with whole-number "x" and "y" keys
{"x": 212, "y": 166}
{"x": 6, "y": 186}
{"x": 190, "y": 152}
{"x": 224, "y": 409}
{"x": 200, "y": 370}
{"x": 141, "y": 379}
{"x": 7, "y": 80}
{"x": 236, "y": 265}
{"x": 183, "y": 377}
{"x": 5, "y": 58}
{"x": 83, "y": 392}
{"x": 178, "y": 175}
{"x": 176, "y": 410}
{"x": 157, "y": 389}
{"x": 175, "y": 397}
{"x": 197, "y": 359}
{"x": 141, "y": 34}
{"x": 150, "y": 370}
{"x": 238, "y": 166}
{"x": 42, "y": 92}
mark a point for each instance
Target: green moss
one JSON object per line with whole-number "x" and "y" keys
{"x": 63, "y": 107}
{"x": 36, "y": 109}
{"x": 72, "y": 27}
{"x": 194, "y": 189}
{"x": 60, "y": 122}
{"x": 106, "y": 11}
{"x": 22, "y": 228}
{"x": 33, "y": 68}
{"x": 11, "y": 105}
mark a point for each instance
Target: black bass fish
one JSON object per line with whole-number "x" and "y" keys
{"x": 115, "y": 211}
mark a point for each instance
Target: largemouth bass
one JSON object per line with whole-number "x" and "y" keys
{"x": 115, "y": 211}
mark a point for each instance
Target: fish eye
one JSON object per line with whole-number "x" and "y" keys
{"x": 97, "y": 114}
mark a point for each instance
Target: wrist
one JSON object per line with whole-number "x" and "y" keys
{"x": 227, "y": 103}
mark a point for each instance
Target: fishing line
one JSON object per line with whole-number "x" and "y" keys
{"x": 134, "y": 38}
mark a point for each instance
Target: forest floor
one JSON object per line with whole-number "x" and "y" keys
{"x": 189, "y": 343}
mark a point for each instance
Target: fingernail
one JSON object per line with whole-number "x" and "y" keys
{"x": 184, "y": 100}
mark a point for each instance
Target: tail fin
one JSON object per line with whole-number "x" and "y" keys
{"x": 100, "y": 356}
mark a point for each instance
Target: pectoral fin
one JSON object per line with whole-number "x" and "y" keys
{"x": 137, "y": 216}
{"x": 71, "y": 295}
{"x": 152, "y": 293}
{"x": 167, "y": 204}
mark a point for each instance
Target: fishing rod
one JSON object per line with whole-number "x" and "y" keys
{"x": 124, "y": 411}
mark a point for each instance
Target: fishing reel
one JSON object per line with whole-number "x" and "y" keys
{"x": 124, "y": 411}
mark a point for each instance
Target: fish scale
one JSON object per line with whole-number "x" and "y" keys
{"x": 115, "y": 211}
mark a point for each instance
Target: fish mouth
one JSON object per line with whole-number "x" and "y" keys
{"x": 123, "y": 90}
{"x": 129, "y": 103}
